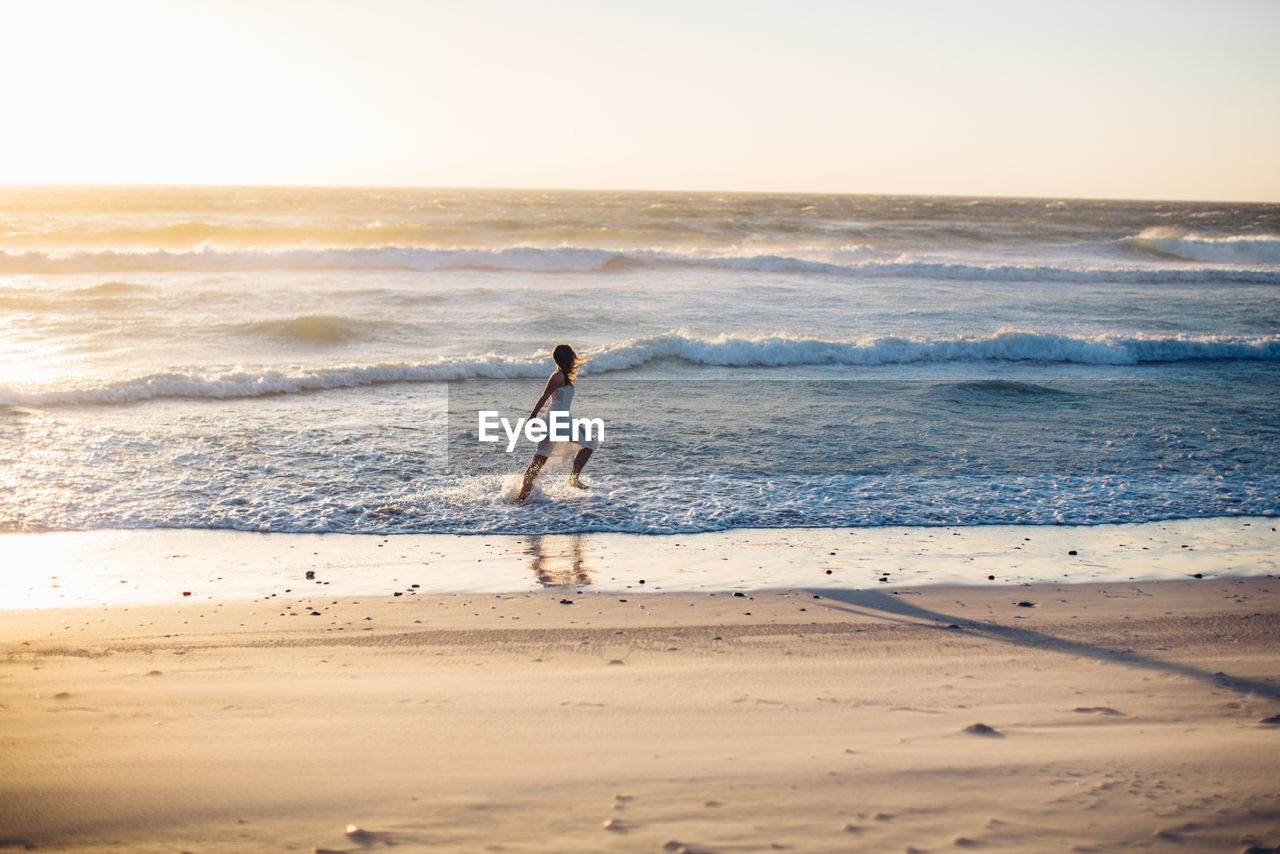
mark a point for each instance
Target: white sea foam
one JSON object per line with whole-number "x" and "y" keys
{"x": 720, "y": 351}
{"x": 1190, "y": 246}
{"x": 781, "y": 351}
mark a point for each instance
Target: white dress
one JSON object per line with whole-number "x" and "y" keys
{"x": 559, "y": 453}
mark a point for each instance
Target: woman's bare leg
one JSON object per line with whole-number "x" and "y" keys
{"x": 578, "y": 462}
{"x": 529, "y": 475}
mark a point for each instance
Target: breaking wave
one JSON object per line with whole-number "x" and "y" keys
{"x": 855, "y": 262}
{"x": 719, "y": 351}
{"x": 1189, "y": 246}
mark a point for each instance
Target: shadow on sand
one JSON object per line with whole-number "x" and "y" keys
{"x": 884, "y": 606}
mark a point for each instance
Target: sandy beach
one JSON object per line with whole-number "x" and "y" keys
{"x": 1128, "y": 715}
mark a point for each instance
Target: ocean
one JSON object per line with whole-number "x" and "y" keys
{"x": 314, "y": 360}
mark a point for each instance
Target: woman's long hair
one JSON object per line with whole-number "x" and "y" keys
{"x": 567, "y": 361}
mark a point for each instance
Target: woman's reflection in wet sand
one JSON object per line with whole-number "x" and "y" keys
{"x": 557, "y": 560}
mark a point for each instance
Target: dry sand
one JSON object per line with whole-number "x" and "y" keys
{"x": 1126, "y": 716}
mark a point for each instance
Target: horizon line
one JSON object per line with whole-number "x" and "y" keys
{"x": 76, "y": 185}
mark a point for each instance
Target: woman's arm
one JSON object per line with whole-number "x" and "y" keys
{"x": 554, "y": 382}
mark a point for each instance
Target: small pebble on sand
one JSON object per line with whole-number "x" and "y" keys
{"x": 359, "y": 835}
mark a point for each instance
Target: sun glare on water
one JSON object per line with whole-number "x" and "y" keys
{"x": 24, "y": 370}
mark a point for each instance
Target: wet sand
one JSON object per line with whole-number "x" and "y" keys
{"x": 1032, "y": 718}
{"x": 159, "y": 566}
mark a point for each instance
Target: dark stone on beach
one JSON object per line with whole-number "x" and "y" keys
{"x": 984, "y": 730}
{"x": 991, "y": 578}
{"x": 882, "y": 579}
{"x": 1072, "y": 552}
{"x": 315, "y": 613}
{"x": 360, "y": 836}
{"x": 642, "y": 581}
{"x": 311, "y": 574}
{"x": 397, "y": 593}
{"x": 816, "y": 596}
{"x": 1197, "y": 575}
{"x": 953, "y": 626}
{"x": 186, "y": 592}
{"x": 740, "y": 595}
{"x": 1274, "y": 720}
{"x": 566, "y": 601}
{"x": 1025, "y": 604}
{"x": 828, "y": 572}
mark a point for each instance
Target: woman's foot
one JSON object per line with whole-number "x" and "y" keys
{"x": 578, "y": 462}
{"x": 526, "y": 486}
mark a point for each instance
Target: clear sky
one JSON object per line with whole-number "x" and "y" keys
{"x": 1121, "y": 98}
